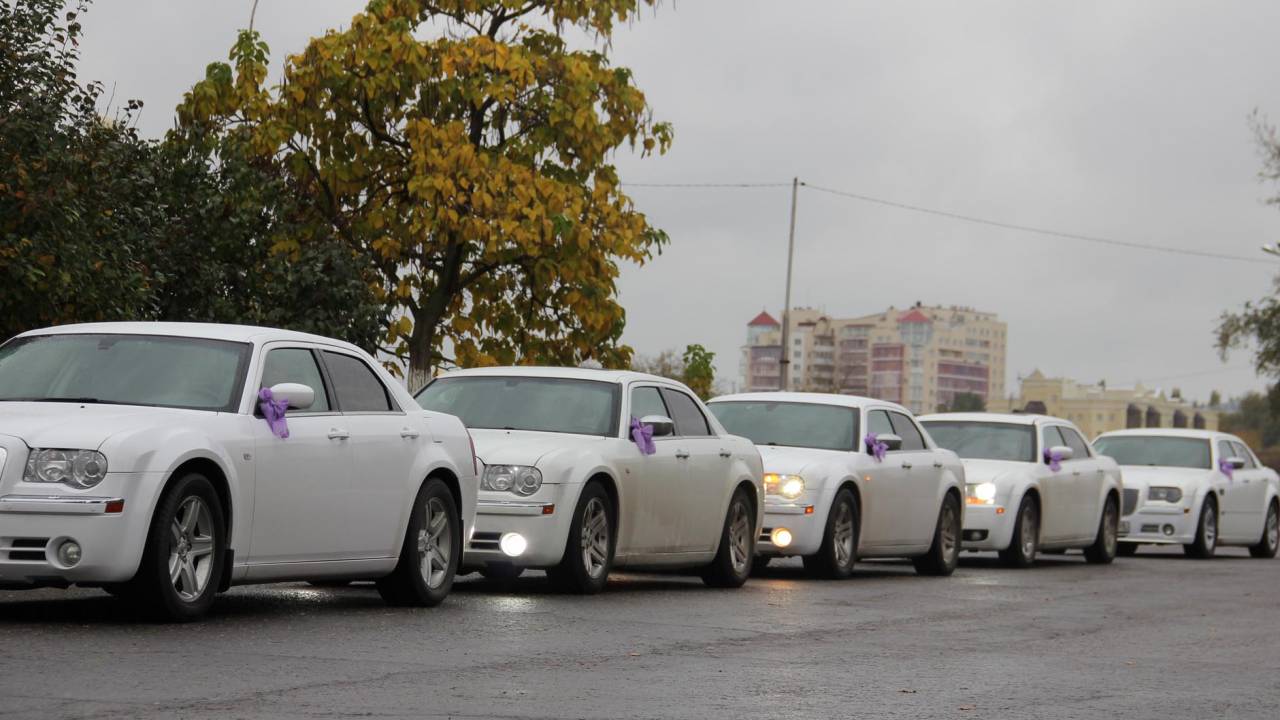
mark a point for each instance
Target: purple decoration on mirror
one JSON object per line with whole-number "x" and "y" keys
{"x": 274, "y": 410}
{"x": 1226, "y": 468}
{"x": 875, "y": 447}
{"x": 643, "y": 436}
{"x": 1054, "y": 459}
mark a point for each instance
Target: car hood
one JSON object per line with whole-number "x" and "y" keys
{"x": 980, "y": 471}
{"x": 1144, "y": 476}
{"x": 82, "y": 427}
{"x": 798, "y": 461}
{"x": 525, "y": 447}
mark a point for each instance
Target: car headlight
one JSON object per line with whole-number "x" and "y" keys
{"x": 519, "y": 479}
{"x": 980, "y": 493}
{"x": 1167, "y": 494}
{"x": 788, "y": 486}
{"x": 77, "y": 468}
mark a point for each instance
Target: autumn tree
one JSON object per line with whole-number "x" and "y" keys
{"x": 699, "y": 370}
{"x": 468, "y": 149}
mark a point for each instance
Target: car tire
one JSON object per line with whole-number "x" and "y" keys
{"x": 1106, "y": 543}
{"x": 182, "y": 562}
{"x": 430, "y": 553}
{"x": 732, "y": 564}
{"x": 1206, "y": 542}
{"x": 1270, "y": 542}
{"x": 944, "y": 553}
{"x": 501, "y": 572}
{"x": 1127, "y": 549}
{"x": 588, "y": 551}
{"x": 1022, "y": 549}
{"x": 835, "y": 559}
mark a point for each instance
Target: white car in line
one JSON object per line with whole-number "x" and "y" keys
{"x": 1032, "y": 484}
{"x": 849, "y": 477}
{"x": 589, "y": 470}
{"x": 166, "y": 462}
{"x": 1195, "y": 488}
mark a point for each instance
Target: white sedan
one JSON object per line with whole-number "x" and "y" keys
{"x": 1195, "y": 488}
{"x": 588, "y": 470}
{"x": 849, "y": 477}
{"x": 166, "y": 462}
{"x": 1032, "y": 484}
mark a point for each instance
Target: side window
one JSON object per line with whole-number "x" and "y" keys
{"x": 1224, "y": 450}
{"x": 295, "y": 365}
{"x": 1050, "y": 437}
{"x": 906, "y": 429}
{"x": 878, "y": 423}
{"x": 1243, "y": 453}
{"x": 689, "y": 419}
{"x": 1075, "y": 442}
{"x": 646, "y": 401}
{"x": 357, "y": 388}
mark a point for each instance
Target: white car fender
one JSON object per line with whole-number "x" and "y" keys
{"x": 446, "y": 448}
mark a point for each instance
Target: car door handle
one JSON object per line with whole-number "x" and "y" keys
{"x": 682, "y": 454}
{"x": 1075, "y": 473}
{"x": 906, "y": 466}
{"x": 725, "y": 454}
{"x": 937, "y": 464}
{"x": 409, "y": 433}
{"x": 336, "y": 434}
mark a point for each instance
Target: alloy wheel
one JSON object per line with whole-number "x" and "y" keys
{"x": 842, "y": 538}
{"x": 191, "y": 552}
{"x": 1210, "y": 527}
{"x": 435, "y": 543}
{"x": 739, "y": 537}
{"x": 595, "y": 537}
{"x": 1029, "y": 530}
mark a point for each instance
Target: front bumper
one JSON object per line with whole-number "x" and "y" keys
{"x": 801, "y": 518}
{"x": 987, "y": 527}
{"x": 543, "y": 523}
{"x": 1171, "y": 525}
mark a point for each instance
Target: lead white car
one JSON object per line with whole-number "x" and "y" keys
{"x": 1032, "y": 484}
{"x": 831, "y": 498}
{"x": 138, "y": 457}
{"x": 1195, "y": 488}
{"x": 568, "y": 487}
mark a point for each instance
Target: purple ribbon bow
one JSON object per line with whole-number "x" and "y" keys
{"x": 1226, "y": 468}
{"x": 1054, "y": 459}
{"x": 643, "y": 436}
{"x": 877, "y": 448}
{"x": 274, "y": 410}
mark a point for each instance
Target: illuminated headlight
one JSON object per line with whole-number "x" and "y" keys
{"x": 1167, "y": 494}
{"x": 788, "y": 486}
{"x": 76, "y": 468}
{"x": 981, "y": 493}
{"x": 518, "y": 479}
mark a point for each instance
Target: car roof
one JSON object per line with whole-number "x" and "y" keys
{"x": 852, "y": 401}
{"x": 208, "y": 331}
{"x": 1168, "y": 432}
{"x": 1010, "y": 418}
{"x": 566, "y": 373}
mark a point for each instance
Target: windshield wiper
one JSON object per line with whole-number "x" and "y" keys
{"x": 80, "y": 400}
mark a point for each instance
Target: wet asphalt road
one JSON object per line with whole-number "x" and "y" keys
{"x": 1154, "y": 636}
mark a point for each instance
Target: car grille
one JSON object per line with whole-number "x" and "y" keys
{"x": 766, "y": 534}
{"x": 485, "y": 540}
{"x": 23, "y": 549}
{"x": 1130, "y": 501}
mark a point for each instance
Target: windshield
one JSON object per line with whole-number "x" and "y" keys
{"x": 149, "y": 370}
{"x": 582, "y": 407}
{"x": 1154, "y": 450}
{"x": 824, "y": 427}
{"x": 985, "y": 440}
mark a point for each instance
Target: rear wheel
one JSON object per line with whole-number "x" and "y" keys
{"x": 1206, "y": 541}
{"x": 839, "y": 541}
{"x": 1106, "y": 542}
{"x": 431, "y": 551}
{"x": 1266, "y": 547}
{"x": 182, "y": 563}
{"x": 944, "y": 554}
{"x": 732, "y": 564}
{"x": 588, "y": 553}
{"x": 1022, "y": 548}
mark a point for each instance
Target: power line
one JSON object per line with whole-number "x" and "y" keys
{"x": 708, "y": 185}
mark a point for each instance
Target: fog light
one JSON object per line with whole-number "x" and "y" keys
{"x": 1167, "y": 530}
{"x": 69, "y": 553}
{"x": 513, "y": 544}
{"x": 781, "y": 537}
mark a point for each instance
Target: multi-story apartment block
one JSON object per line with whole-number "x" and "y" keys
{"x": 921, "y": 357}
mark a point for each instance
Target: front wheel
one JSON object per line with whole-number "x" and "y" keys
{"x": 1021, "y": 552}
{"x": 186, "y": 547}
{"x": 1106, "y": 541}
{"x": 431, "y": 551}
{"x": 1206, "y": 542}
{"x": 1267, "y": 546}
{"x": 588, "y": 554}
{"x": 835, "y": 558}
{"x": 944, "y": 554}
{"x": 732, "y": 564}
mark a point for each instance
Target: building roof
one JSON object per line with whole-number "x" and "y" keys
{"x": 915, "y": 316}
{"x": 764, "y": 319}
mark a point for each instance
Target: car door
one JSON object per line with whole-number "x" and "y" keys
{"x": 655, "y": 483}
{"x": 1255, "y": 489}
{"x": 885, "y": 496}
{"x": 705, "y": 494}
{"x": 1239, "y": 504}
{"x": 1057, "y": 513}
{"x": 1087, "y": 478}
{"x": 922, "y": 474}
{"x": 301, "y": 491}
{"x": 384, "y": 444}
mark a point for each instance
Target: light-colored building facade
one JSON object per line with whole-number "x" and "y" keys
{"x": 1100, "y": 408}
{"x": 921, "y": 357}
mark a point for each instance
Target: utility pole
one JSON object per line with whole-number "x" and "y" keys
{"x": 786, "y": 309}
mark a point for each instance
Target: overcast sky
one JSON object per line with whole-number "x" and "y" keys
{"x": 1119, "y": 119}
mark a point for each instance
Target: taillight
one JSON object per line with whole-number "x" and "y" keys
{"x": 475, "y": 462}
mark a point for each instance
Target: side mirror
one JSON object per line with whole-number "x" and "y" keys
{"x": 662, "y": 425}
{"x": 1236, "y": 463}
{"x": 891, "y": 441}
{"x": 1062, "y": 451}
{"x": 300, "y": 396}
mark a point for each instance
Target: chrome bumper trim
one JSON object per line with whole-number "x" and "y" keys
{"x": 512, "y": 507}
{"x": 56, "y": 504}
{"x": 787, "y": 509}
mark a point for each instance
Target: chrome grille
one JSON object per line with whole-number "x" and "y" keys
{"x": 1130, "y": 501}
